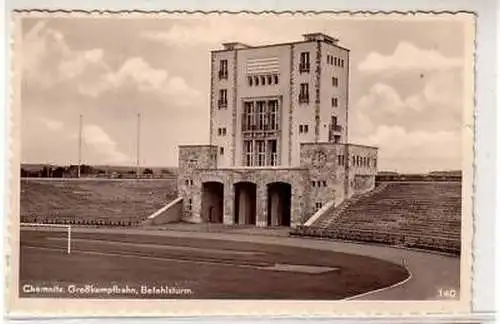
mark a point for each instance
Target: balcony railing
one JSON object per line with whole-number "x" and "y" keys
{"x": 259, "y": 128}
{"x": 222, "y": 103}
{"x": 337, "y": 128}
{"x": 222, "y": 75}
{"x": 303, "y": 98}
{"x": 304, "y": 67}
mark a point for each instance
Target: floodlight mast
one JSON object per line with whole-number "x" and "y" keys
{"x": 80, "y": 130}
{"x": 138, "y": 166}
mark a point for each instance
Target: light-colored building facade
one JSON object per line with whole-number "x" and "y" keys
{"x": 278, "y": 134}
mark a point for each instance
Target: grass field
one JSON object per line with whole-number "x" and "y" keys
{"x": 101, "y": 200}
{"x": 197, "y": 268}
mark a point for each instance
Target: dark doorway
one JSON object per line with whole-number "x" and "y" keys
{"x": 245, "y": 194}
{"x": 212, "y": 202}
{"x": 279, "y": 199}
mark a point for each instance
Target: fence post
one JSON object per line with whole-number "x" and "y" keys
{"x": 69, "y": 239}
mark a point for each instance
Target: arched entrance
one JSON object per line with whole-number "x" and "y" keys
{"x": 279, "y": 200}
{"x": 245, "y": 194}
{"x": 212, "y": 202}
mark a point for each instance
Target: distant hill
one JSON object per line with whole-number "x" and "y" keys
{"x": 453, "y": 173}
{"x": 71, "y": 171}
{"x": 127, "y": 169}
{"x": 384, "y": 173}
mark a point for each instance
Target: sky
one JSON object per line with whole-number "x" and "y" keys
{"x": 406, "y": 84}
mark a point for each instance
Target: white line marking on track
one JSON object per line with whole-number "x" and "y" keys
{"x": 397, "y": 284}
{"x": 158, "y": 246}
{"x": 273, "y": 267}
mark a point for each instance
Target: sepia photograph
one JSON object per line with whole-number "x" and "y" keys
{"x": 294, "y": 157}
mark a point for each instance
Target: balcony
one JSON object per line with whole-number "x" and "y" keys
{"x": 222, "y": 75}
{"x": 336, "y": 128}
{"x": 303, "y": 98}
{"x": 304, "y": 67}
{"x": 222, "y": 104}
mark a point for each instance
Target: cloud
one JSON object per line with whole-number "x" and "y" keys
{"x": 79, "y": 61}
{"x": 415, "y": 133}
{"x": 437, "y": 106}
{"x": 407, "y": 56}
{"x": 51, "y": 124}
{"x": 103, "y": 148}
{"x": 248, "y": 29}
{"x": 213, "y": 31}
{"x": 48, "y": 60}
{"x": 138, "y": 73}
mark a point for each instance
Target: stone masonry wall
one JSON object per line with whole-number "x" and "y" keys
{"x": 191, "y": 159}
{"x": 362, "y": 168}
{"x": 298, "y": 179}
{"x": 327, "y": 176}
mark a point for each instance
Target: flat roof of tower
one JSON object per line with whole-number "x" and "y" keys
{"x": 308, "y": 37}
{"x": 320, "y": 36}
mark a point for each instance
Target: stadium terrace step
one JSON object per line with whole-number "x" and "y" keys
{"x": 423, "y": 215}
{"x": 93, "y": 202}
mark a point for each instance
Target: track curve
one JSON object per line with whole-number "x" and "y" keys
{"x": 430, "y": 272}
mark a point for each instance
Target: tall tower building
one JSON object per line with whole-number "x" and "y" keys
{"x": 266, "y": 100}
{"x": 278, "y": 152}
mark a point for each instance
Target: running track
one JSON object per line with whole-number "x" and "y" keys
{"x": 430, "y": 271}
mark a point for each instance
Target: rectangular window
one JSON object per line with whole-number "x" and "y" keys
{"x": 304, "y": 93}
{"x": 261, "y": 115}
{"x": 304, "y": 65}
{"x": 222, "y": 98}
{"x": 248, "y": 152}
{"x": 272, "y": 148}
{"x": 221, "y": 150}
{"x": 261, "y": 152}
{"x": 303, "y": 129}
{"x": 342, "y": 62}
{"x": 248, "y": 116}
{"x": 276, "y": 79}
{"x": 269, "y": 79}
{"x": 223, "y": 69}
{"x": 250, "y": 81}
{"x": 190, "y": 204}
{"x": 335, "y": 81}
{"x": 318, "y": 205}
{"x": 335, "y": 102}
{"x": 272, "y": 106}
{"x": 336, "y": 139}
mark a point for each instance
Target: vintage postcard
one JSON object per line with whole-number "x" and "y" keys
{"x": 241, "y": 163}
